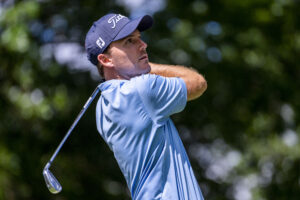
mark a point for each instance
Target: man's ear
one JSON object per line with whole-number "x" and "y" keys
{"x": 104, "y": 60}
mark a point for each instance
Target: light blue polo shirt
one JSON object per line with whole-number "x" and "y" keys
{"x": 133, "y": 117}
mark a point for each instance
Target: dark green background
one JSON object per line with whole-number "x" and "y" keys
{"x": 242, "y": 135}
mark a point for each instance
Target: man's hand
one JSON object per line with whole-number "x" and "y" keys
{"x": 195, "y": 82}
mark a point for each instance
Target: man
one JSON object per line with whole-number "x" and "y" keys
{"x": 133, "y": 112}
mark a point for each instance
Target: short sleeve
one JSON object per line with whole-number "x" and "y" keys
{"x": 162, "y": 96}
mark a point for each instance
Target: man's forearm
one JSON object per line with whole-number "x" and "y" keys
{"x": 195, "y": 82}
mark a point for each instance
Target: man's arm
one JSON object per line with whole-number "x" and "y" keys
{"x": 195, "y": 82}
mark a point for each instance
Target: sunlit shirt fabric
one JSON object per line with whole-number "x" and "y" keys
{"x": 133, "y": 117}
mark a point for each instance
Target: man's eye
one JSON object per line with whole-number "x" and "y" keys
{"x": 129, "y": 40}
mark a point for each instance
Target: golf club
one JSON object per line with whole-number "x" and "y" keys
{"x": 51, "y": 182}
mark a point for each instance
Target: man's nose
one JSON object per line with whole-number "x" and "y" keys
{"x": 143, "y": 45}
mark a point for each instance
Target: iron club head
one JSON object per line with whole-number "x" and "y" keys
{"x": 51, "y": 182}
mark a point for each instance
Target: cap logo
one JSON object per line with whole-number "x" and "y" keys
{"x": 100, "y": 42}
{"x": 115, "y": 19}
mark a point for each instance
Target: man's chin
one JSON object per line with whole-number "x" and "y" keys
{"x": 143, "y": 72}
{"x": 148, "y": 69}
{"x": 137, "y": 72}
{"x": 145, "y": 69}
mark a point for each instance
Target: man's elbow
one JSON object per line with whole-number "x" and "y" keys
{"x": 202, "y": 85}
{"x": 199, "y": 89}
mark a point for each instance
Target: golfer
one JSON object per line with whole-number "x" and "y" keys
{"x": 133, "y": 112}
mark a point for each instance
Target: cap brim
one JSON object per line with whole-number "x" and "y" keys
{"x": 142, "y": 24}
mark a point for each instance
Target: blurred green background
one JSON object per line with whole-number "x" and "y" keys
{"x": 242, "y": 135}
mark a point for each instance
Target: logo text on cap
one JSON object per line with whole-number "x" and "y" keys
{"x": 100, "y": 42}
{"x": 115, "y": 19}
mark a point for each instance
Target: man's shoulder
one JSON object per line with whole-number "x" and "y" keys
{"x": 144, "y": 77}
{"x": 144, "y": 82}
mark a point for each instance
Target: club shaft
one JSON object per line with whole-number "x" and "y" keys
{"x": 86, "y": 105}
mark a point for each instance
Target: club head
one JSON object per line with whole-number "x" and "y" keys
{"x": 51, "y": 182}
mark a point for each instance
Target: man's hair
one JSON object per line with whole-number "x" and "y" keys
{"x": 99, "y": 65}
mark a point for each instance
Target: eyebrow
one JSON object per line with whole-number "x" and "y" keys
{"x": 129, "y": 36}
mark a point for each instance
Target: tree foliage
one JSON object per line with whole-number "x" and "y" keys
{"x": 242, "y": 135}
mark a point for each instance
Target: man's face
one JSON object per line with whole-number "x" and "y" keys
{"x": 129, "y": 56}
